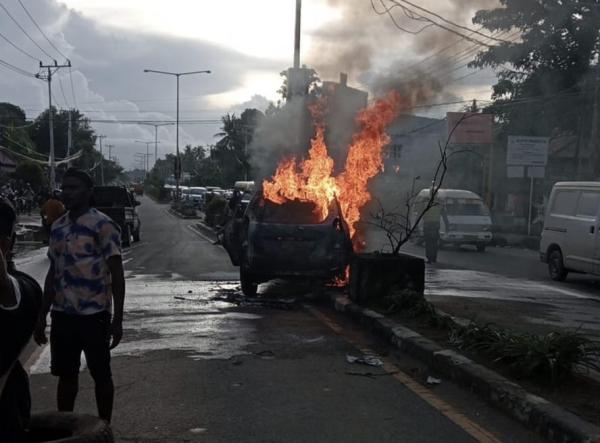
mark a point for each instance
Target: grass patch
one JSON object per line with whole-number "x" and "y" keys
{"x": 549, "y": 358}
{"x": 543, "y": 359}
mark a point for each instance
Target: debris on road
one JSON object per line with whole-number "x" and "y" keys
{"x": 433, "y": 381}
{"x": 370, "y": 374}
{"x": 266, "y": 355}
{"x": 370, "y": 360}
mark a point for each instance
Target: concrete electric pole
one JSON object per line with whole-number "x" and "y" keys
{"x": 48, "y": 78}
{"x": 100, "y": 137}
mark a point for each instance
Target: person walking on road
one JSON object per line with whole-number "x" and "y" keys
{"x": 85, "y": 279}
{"x": 431, "y": 228}
{"x": 20, "y": 300}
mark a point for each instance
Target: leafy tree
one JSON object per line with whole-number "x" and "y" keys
{"x": 32, "y": 173}
{"x": 548, "y": 78}
{"x": 230, "y": 152}
{"x": 83, "y": 135}
{"x": 13, "y": 132}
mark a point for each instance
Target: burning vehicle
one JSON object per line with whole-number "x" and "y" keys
{"x": 304, "y": 220}
{"x": 270, "y": 240}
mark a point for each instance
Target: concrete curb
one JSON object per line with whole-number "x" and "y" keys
{"x": 547, "y": 419}
{"x": 185, "y": 217}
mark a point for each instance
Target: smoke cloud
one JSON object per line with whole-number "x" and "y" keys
{"x": 366, "y": 39}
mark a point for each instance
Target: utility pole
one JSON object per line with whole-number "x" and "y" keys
{"x": 110, "y": 152}
{"x": 147, "y": 155}
{"x": 593, "y": 141}
{"x": 48, "y": 78}
{"x": 100, "y": 137}
{"x": 70, "y": 135}
{"x": 156, "y": 125}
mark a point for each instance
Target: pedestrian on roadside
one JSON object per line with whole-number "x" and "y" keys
{"x": 431, "y": 228}
{"x": 84, "y": 281}
{"x": 51, "y": 210}
{"x": 20, "y": 300}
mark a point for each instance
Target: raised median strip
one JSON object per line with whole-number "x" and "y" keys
{"x": 549, "y": 420}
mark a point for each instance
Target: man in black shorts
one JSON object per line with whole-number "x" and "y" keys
{"x": 20, "y": 299}
{"x": 84, "y": 279}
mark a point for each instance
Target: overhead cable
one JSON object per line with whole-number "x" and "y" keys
{"x": 40, "y": 29}
{"x": 25, "y": 32}
{"x": 72, "y": 88}
{"x": 16, "y": 69}
{"x": 22, "y": 51}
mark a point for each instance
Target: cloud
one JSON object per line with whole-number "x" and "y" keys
{"x": 108, "y": 76}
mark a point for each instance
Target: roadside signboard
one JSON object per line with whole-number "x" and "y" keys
{"x": 469, "y": 128}
{"x": 527, "y": 151}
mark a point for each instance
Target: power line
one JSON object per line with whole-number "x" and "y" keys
{"x": 72, "y": 88}
{"x": 63, "y": 92}
{"x": 16, "y": 69}
{"x": 388, "y": 11}
{"x": 446, "y": 28}
{"x": 22, "y": 51}
{"x": 24, "y": 31}
{"x": 465, "y": 28}
{"x": 40, "y": 29}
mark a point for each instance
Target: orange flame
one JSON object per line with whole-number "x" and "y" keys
{"x": 311, "y": 180}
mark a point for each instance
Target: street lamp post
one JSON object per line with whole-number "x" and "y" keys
{"x": 178, "y": 161}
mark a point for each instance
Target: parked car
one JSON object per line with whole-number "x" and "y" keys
{"x": 464, "y": 217}
{"x": 268, "y": 241}
{"x": 570, "y": 239}
{"x": 118, "y": 203}
{"x": 196, "y": 195}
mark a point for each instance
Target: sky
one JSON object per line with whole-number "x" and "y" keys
{"x": 245, "y": 44}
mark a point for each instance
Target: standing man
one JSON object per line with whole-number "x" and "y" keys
{"x": 20, "y": 300}
{"x": 84, "y": 279}
{"x": 431, "y": 228}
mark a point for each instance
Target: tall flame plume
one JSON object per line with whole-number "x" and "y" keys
{"x": 311, "y": 180}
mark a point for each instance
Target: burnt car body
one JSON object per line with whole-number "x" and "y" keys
{"x": 268, "y": 241}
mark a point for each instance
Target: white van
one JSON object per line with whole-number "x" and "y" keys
{"x": 464, "y": 217}
{"x": 570, "y": 239}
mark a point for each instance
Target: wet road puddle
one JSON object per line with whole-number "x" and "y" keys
{"x": 206, "y": 319}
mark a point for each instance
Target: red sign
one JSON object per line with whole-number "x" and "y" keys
{"x": 469, "y": 128}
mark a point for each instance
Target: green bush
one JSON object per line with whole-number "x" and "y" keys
{"x": 215, "y": 211}
{"x": 548, "y": 358}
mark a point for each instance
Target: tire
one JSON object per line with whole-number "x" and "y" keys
{"x": 249, "y": 287}
{"x": 556, "y": 267}
{"x": 136, "y": 235}
{"x": 67, "y": 427}
{"x": 480, "y": 247}
{"x": 126, "y": 237}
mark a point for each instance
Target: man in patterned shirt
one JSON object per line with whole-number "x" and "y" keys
{"x": 84, "y": 279}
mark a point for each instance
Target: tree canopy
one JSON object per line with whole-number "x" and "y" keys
{"x": 548, "y": 76}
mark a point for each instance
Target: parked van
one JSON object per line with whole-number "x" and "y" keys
{"x": 570, "y": 240}
{"x": 464, "y": 217}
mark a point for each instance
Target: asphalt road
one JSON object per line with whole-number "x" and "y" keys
{"x": 509, "y": 287}
{"x": 197, "y": 363}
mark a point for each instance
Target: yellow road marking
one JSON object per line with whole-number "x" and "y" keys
{"x": 473, "y": 429}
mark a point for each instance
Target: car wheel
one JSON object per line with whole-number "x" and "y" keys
{"x": 480, "y": 247}
{"x": 136, "y": 235}
{"x": 556, "y": 266}
{"x": 126, "y": 237}
{"x": 69, "y": 428}
{"x": 249, "y": 287}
